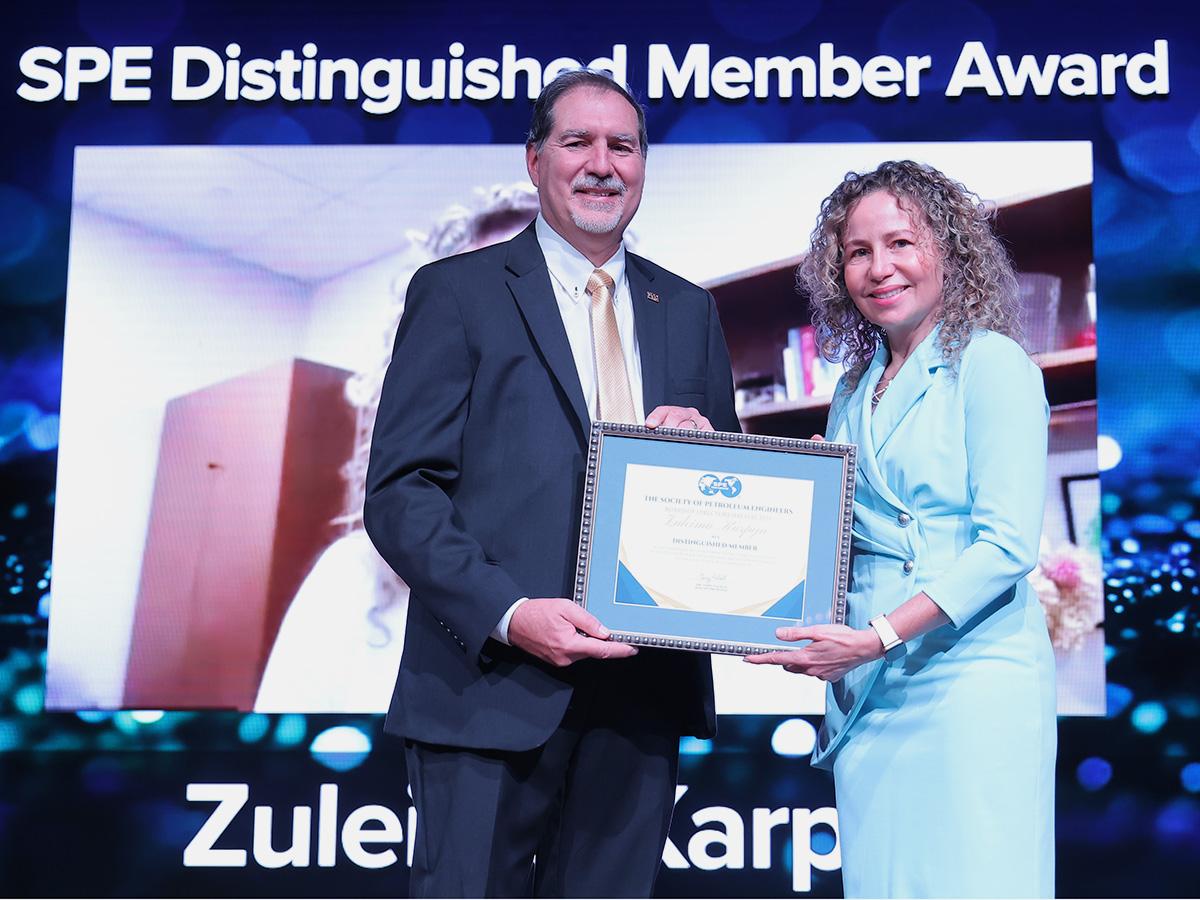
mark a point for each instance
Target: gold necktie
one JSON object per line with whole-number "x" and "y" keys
{"x": 612, "y": 379}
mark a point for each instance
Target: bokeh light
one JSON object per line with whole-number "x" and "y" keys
{"x": 1094, "y": 773}
{"x": 341, "y": 748}
{"x": 1148, "y": 717}
{"x": 1108, "y": 452}
{"x": 694, "y": 746}
{"x": 794, "y": 737}
{"x": 253, "y": 728}
{"x": 290, "y": 730}
{"x": 1189, "y": 777}
{"x": 1117, "y": 698}
{"x": 28, "y": 699}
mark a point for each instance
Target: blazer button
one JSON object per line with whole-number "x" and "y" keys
{"x": 909, "y": 566}
{"x": 904, "y": 519}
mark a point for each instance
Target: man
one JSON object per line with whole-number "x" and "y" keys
{"x": 527, "y": 731}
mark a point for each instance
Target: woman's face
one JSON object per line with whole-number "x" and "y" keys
{"x": 892, "y": 272}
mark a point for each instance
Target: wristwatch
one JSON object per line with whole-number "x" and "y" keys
{"x": 893, "y": 647}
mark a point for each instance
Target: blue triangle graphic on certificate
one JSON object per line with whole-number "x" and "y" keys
{"x": 789, "y": 606}
{"x": 630, "y": 590}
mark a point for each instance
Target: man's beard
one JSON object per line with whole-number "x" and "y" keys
{"x": 598, "y": 222}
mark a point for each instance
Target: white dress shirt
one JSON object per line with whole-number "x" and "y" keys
{"x": 569, "y": 274}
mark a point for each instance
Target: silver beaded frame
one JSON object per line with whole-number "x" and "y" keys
{"x": 602, "y": 430}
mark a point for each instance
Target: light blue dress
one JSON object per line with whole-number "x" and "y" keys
{"x": 943, "y": 761}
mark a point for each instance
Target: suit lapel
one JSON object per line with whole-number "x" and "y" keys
{"x": 650, "y": 319}
{"x": 910, "y": 385}
{"x": 529, "y": 281}
{"x": 861, "y": 421}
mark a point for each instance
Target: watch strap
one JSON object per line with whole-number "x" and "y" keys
{"x": 893, "y": 646}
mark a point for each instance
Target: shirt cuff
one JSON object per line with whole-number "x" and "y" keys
{"x": 500, "y": 632}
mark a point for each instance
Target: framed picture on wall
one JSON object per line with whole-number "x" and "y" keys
{"x": 1081, "y": 500}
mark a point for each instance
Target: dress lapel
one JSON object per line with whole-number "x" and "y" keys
{"x": 650, "y": 318}
{"x": 529, "y": 281}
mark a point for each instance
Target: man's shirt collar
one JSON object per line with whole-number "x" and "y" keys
{"x": 570, "y": 268}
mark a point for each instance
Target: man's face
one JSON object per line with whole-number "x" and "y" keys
{"x": 590, "y": 171}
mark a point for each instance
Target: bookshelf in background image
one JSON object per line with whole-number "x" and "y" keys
{"x": 783, "y": 386}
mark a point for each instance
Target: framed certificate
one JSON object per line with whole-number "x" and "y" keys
{"x": 710, "y": 541}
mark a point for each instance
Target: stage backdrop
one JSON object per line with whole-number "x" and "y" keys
{"x": 208, "y": 219}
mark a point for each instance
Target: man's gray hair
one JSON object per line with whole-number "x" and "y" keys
{"x": 543, "y": 107}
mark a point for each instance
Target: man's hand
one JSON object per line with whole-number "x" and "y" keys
{"x": 687, "y": 417}
{"x": 550, "y": 629}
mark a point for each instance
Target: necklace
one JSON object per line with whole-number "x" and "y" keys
{"x": 880, "y": 388}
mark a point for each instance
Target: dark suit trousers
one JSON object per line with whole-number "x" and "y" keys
{"x": 593, "y": 805}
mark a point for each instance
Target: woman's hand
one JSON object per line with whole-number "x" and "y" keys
{"x": 834, "y": 650}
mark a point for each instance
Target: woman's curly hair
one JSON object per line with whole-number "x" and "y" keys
{"x": 979, "y": 287}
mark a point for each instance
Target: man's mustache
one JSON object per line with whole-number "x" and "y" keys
{"x": 593, "y": 182}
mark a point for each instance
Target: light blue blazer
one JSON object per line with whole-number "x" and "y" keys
{"x": 949, "y": 500}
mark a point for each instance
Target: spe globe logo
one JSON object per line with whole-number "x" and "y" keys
{"x": 729, "y": 486}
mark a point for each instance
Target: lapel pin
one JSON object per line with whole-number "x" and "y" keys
{"x": 650, "y": 295}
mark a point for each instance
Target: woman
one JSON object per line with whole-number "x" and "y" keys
{"x": 940, "y": 727}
